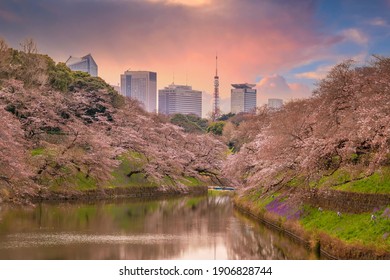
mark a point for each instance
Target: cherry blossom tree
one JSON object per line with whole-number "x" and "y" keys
{"x": 344, "y": 125}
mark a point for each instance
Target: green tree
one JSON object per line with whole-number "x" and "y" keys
{"x": 216, "y": 128}
{"x": 60, "y": 77}
{"x": 190, "y": 123}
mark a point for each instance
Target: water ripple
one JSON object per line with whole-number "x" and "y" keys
{"x": 22, "y": 240}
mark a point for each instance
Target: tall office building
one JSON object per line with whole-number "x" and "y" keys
{"x": 141, "y": 85}
{"x": 243, "y": 98}
{"x": 274, "y": 103}
{"x": 85, "y": 64}
{"x": 175, "y": 99}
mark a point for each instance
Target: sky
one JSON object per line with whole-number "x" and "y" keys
{"x": 282, "y": 46}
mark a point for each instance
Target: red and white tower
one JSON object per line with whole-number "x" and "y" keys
{"x": 216, "y": 110}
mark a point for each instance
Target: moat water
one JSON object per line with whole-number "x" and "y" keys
{"x": 206, "y": 227}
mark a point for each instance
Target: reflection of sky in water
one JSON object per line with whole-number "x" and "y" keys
{"x": 216, "y": 252}
{"x": 184, "y": 228}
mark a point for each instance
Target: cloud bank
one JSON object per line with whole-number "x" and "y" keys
{"x": 252, "y": 38}
{"x": 276, "y": 86}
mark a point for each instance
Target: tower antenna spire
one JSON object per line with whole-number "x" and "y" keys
{"x": 216, "y": 64}
{"x": 216, "y": 110}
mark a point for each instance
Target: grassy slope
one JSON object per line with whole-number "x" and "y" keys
{"x": 133, "y": 161}
{"x": 71, "y": 178}
{"x": 130, "y": 161}
{"x": 378, "y": 182}
{"x": 356, "y": 229}
{"x": 352, "y": 228}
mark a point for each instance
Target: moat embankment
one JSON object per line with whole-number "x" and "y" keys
{"x": 331, "y": 231}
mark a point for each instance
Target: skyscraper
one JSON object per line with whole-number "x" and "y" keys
{"x": 141, "y": 85}
{"x": 85, "y": 64}
{"x": 243, "y": 98}
{"x": 175, "y": 99}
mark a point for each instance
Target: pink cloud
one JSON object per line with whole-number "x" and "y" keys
{"x": 378, "y": 22}
{"x": 355, "y": 35}
{"x": 276, "y": 86}
{"x": 9, "y": 16}
{"x": 184, "y": 2}
{"x": 252, "y": 38}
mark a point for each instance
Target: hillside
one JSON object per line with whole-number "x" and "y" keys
{"x": 64, "y": 131}
{"x": 329, "y": 152}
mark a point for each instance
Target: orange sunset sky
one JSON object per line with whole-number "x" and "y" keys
{"x": 282, "y": 46}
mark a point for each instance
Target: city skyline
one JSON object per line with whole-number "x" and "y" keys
{"x": 281, "y": 46}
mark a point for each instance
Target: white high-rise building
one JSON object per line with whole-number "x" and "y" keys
{"x": 141, "y": 85}
{"x": 175, "y": 99}
{"x": 274, "y": 103}
{"x": 243, "y": 98}
{"x": 85, "y": 64}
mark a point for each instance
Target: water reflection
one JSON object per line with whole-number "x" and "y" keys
{"x": 181, "y": 228}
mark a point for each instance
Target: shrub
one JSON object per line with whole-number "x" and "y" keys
{"x": 190, "y": 123}
{"x": 60, "y": 77}
{"x": 216, "y": 128}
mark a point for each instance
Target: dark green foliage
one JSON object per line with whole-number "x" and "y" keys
{"x": 232, "y": 146}
{"x": 216, "y": 128}
{"x": 65, "y": 115}
{"x": 52, "y": 130}
{"x": 109, "y": 118}
{"x": 60, "y": 77}
{"x": 63, "y": 79}
{"x": 97, "y": 109}
{"x": 82, "y": 80}
{"x": 225, "y": 117}
{"x": 354, "y": 158}
{"x": 11, "y": 108}
{"x": 190, "y": 123}
{"x": 329, "y": 162}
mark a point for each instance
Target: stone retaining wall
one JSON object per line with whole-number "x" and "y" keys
{"x": 346, "y": 201}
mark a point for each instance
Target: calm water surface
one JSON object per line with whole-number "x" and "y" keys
{"x": 179, "y": 228}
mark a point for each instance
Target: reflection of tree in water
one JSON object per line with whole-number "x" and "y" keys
{"x": 251, "y": 240}
{"x": 158, "y": 229}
